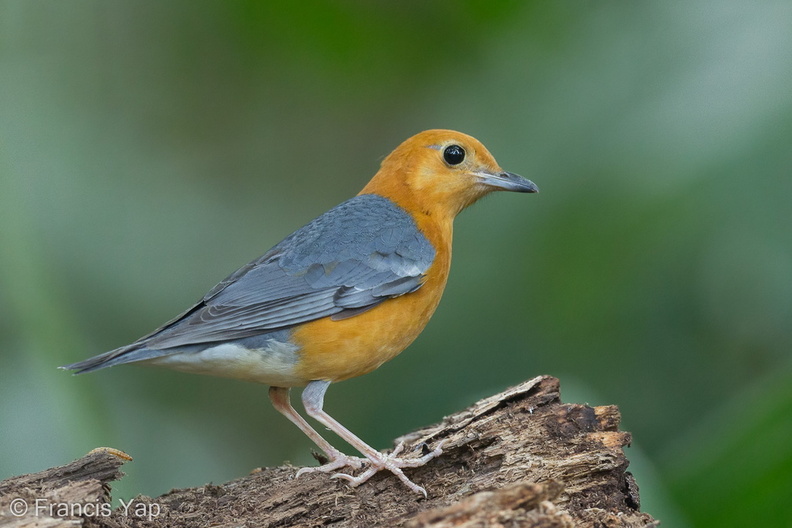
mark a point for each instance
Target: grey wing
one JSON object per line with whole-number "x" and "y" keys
{"x": 352, "y": 258}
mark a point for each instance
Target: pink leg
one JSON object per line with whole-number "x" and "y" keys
{"x": 279, "y": 396}
{"x": 313, "y": 399}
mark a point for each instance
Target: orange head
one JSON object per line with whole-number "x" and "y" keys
{"x": 440, "y": 172}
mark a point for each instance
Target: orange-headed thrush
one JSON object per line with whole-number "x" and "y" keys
{"x": 338, "y": 297}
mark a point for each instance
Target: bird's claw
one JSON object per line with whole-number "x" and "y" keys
{"x": 338, "y": 461}
{"x": 391, "y": 462}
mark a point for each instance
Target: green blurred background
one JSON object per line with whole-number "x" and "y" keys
{"x": 149, "y": 148}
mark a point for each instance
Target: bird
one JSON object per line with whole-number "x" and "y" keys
{"x": 337, "y": 298}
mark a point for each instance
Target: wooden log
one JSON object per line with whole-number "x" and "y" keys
{"x": 518, "y": 458}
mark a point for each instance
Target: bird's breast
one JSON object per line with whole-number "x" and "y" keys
{"x": 335, "y": 350}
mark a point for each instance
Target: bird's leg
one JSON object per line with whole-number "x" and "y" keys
{"x": 279, "y": 396}
{"x": 313, "y": 399}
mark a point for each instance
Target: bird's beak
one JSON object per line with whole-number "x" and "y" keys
{"x": 507, "y": 181}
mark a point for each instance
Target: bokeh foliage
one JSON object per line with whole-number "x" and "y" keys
{"x": 149, "y": 148}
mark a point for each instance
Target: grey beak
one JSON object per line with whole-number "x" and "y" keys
{"x": 507, "y": 181}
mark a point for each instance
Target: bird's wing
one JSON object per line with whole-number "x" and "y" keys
{"x": 351, "y": 258}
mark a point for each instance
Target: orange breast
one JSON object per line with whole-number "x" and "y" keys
{"x": 338, "y": 350}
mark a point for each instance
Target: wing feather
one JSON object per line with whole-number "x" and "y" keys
{"x": 351, "y": 258}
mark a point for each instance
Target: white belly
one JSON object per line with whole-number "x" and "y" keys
{"x": 273, "y": 364}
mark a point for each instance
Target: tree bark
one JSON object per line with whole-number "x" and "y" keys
{"x": 521, "y": 458}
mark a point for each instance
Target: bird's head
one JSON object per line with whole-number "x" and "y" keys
{"x": 440, "y": 172}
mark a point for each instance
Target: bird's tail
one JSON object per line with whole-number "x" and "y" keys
{"x": 127, "y": 354}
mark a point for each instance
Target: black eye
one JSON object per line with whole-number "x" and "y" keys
{"x": 454, "y": 154}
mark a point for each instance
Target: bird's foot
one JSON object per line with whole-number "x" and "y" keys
{"x": 393, "y": 463}
{"x": 338, "y": 460}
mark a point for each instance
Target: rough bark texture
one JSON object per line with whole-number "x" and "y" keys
{"x": 520, "y": 458}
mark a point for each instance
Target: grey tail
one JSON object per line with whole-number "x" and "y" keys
{"x": 119, "y": 356}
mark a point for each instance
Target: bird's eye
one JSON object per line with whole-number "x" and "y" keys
{"x": 454, "y": 154}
